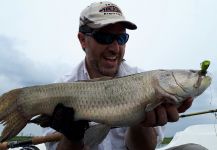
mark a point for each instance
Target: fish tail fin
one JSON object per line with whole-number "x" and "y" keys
{"x": 13, "y": 123}
{"x": 8, "y": 102}
{"x": 10, "y": 116}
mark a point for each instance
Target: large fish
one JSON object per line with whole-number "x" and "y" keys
{"x": 108, "y": 101}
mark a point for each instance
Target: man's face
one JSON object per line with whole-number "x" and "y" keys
{"x": 104, "y": 59}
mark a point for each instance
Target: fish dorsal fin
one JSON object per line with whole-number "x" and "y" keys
{"x": 95, "y": 135}
{"x": 104, "y": 78}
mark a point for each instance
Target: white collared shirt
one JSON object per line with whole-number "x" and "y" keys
{"x": 115, "y": 138}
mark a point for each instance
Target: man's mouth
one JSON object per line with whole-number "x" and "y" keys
{"x": 110, "y": 61}
{"x": 110, "y": 58}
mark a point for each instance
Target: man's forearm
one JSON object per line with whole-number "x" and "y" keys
{"x": 140, "y": 138}
{"x": 66, "y": 144}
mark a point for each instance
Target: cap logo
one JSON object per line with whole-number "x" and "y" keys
{"x": 111, "y": 10}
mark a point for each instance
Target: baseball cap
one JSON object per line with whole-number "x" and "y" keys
{"x": 100, "y": 14}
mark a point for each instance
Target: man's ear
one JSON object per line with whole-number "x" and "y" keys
{"x": 81, "y": 38}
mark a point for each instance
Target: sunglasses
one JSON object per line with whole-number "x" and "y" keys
{"x": 108, "y": 38}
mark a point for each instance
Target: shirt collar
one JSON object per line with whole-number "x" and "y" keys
{"x": 86, "y": 74}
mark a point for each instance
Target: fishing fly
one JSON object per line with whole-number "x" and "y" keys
{"x": 204, "y": 66}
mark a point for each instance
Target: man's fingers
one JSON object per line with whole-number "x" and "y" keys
{"x": 172, "y": 112}
{"x": 161, "y": 116}
{"x": 150, "y": 119}
{"x": 157, "y": 117}
{"x": 185, "y": 105}
{"x": 165, "y": 113}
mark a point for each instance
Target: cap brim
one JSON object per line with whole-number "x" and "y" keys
{"x": 129, "y": 25}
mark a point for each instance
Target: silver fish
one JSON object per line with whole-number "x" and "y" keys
{"x": 118, "y": 102}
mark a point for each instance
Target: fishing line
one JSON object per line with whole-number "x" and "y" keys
{"x": 211, "y": 88}
{"x": 211, "y": 96}
{"x": 215, "y": 114}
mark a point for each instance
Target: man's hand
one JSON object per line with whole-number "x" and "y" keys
{"x": 63, "y": 121}
{"x": 185, "y": 105}
{"x": 143, "y": 136}
{"x": 165, "y": 113}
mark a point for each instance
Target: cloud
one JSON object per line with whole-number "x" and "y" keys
{"x": 17, "y": 70}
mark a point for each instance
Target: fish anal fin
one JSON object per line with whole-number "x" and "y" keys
{"x": 95, "y": 135}
{"x": 42, "y": 120}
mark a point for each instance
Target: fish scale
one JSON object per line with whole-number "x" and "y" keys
{"x": 114, "y": 102}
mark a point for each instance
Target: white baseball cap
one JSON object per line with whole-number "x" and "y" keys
{"x": 100, "y": 14}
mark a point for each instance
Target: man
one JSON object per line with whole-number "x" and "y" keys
{"x": 102, "y": 35}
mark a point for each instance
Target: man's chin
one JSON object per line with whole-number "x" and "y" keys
{"x": 109, "y": 72}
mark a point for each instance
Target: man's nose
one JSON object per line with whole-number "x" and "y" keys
{"x": 114, "y": 46}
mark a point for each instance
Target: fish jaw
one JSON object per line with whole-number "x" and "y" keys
{"x": 182, "y": 84}
{"x": 204, "y": 82}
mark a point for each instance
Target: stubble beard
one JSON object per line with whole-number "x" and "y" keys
{"x": 111, "y": 72}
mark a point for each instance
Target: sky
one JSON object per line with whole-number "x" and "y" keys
{"x": 38, "y": 43}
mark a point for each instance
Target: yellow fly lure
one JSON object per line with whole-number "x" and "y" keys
{"x": 204, "y": 66}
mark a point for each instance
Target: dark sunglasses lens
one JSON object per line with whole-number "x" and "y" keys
{"x": 103, "y": 38}
{"x": 122, "y": 38}
{"x": 106, "y": 38}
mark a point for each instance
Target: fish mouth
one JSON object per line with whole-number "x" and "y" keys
{"x": 201, "y": 78}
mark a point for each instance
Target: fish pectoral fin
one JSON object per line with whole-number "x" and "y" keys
{"x": 96, "y": 134}
{"x": 151, "y": 106}
{"x": 42, "y": 120}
